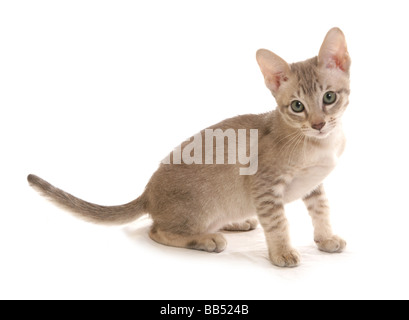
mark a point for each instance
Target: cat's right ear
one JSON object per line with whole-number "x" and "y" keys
{"x": 275, "y": 70}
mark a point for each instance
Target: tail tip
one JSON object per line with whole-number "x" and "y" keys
{"x": 31, "y": 178}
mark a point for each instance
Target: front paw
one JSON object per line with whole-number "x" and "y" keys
{"x": 333, "y": 244}
{"x": 287, "y": 258}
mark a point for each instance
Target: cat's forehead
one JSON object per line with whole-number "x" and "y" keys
{"x": 307, "y": 76}
{"x": 311, "y": 79}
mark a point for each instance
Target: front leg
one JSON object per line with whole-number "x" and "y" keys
{"x": 270, "y": 210}
{"x": 318, "y": 208}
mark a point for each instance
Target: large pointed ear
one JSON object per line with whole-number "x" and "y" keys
{"x": 334, "y": 53}
{"x": 275, "y": 70}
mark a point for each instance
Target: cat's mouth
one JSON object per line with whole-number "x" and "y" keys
{"x": 323, "y": 134}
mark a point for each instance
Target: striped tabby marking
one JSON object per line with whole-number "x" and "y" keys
{"x": 318, "y": 208}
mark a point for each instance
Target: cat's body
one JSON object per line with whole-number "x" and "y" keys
{"x": 190, "y": 203}
{"x": 232, "y": 201}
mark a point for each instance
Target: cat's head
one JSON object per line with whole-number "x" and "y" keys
{"x": 311, "y": 95}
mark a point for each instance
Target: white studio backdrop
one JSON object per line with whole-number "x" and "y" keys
{"x": 93, "y": 94}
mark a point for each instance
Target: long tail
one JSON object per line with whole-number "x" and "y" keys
{"x": 114, "y": 215}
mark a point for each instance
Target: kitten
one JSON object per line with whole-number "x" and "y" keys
{"x": 298, "y": 145}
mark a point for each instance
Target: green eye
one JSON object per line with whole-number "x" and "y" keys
{"x": 297, "y": 106}
{"x": 329, "y": 97}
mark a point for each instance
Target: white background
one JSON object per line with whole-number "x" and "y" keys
{"x": 93, "y": 94}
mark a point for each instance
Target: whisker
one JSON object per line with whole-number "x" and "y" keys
{"x": 284, "y": 137}
{"x": 294, "y": 149}
{"x": 303, "y": 149}
{"x": 289, "y": 142}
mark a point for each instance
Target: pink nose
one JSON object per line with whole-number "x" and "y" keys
{"x": 318, "y": 126}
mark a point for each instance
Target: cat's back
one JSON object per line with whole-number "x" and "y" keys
{"x": 245, "y": 121}
{"x": 201, "y": 182}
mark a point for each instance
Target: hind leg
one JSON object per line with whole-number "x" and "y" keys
{"x": 212, "y": 242}
{"x": 247, "y": 225}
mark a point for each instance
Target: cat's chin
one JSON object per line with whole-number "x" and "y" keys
{"x": 318, "y": 135}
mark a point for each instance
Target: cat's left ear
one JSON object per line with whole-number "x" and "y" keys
{"x": 334, "y": 53}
